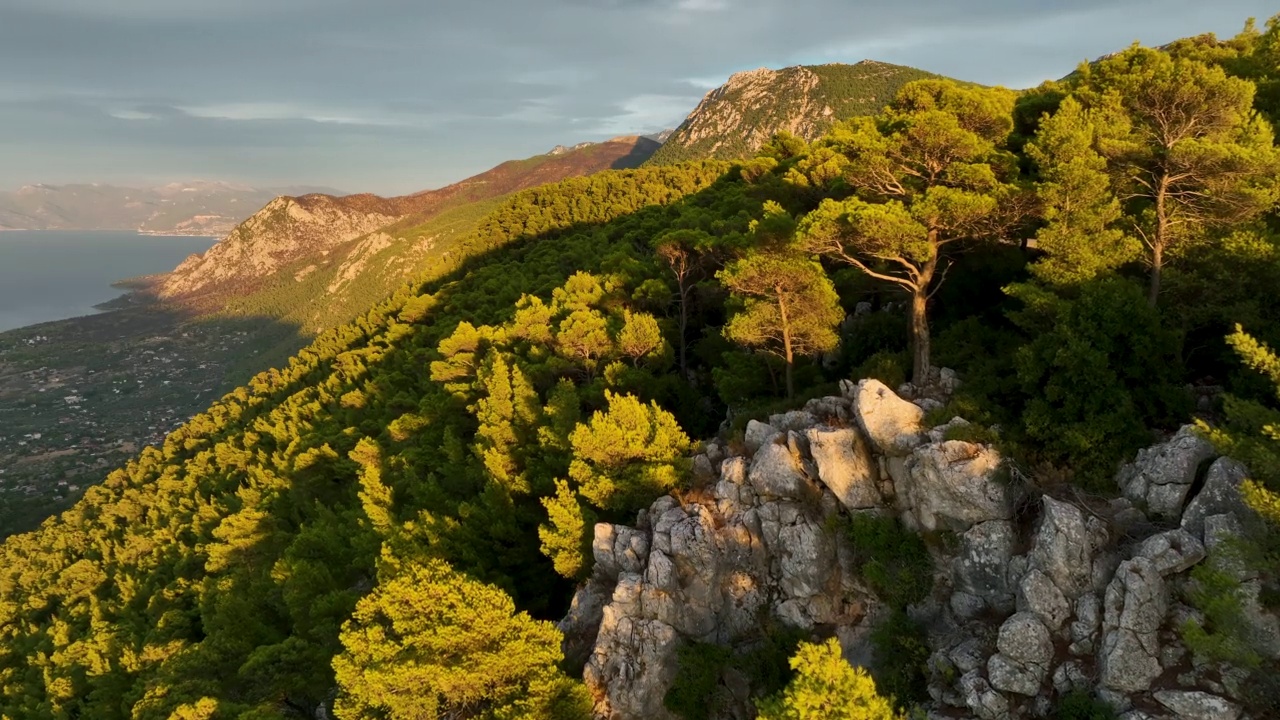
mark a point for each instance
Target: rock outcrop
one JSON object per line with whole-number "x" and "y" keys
{"x": 1035, "y": 598}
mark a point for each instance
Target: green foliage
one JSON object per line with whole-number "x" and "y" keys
{"x": 1224, "y": 636}
{"x": 826, "y": 687}
{"x": 628, "y": 456}
{"x": 888, "y": 367}
{"x": 694, "y": 693}
{"x": 431, "y": 643}
{"x": 566, "y": 539}
{"x": 893, "y": 561}
{"x": 1098, "y": 371}
{"x": 1081, "y": 705}
{"x": 789, "y": 308}
{"x": 901, "y": 665}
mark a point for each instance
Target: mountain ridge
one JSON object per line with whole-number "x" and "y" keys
{"x": 735, "y": 119}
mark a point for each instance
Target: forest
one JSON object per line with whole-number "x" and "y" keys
{"x": 389, "y": 525}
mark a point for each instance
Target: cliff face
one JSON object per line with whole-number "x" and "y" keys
{"x": 292, "y": 229}
{"x": 736, "y": 119}
{"x": 1035, "y": 596}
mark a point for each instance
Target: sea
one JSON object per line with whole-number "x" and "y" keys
{"x": 55, "y": 274}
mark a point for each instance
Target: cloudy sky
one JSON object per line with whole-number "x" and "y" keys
{"x": 394, "y": 96}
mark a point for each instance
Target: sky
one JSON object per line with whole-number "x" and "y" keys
{"x": 396, "y": 96}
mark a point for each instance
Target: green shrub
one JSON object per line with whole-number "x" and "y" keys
{"x": 700, "y": 667}
{"x": 1098, "y": 372}
{"x": 889, "y": 368}
{"x": 971, "y": 433}
{"x": 1080, "y": 705}
{"x": 1224, "y": 636}
{"x": 892, "y": 560}
{"x": 901, "y": 659}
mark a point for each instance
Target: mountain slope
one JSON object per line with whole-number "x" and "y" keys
{"x": 314, "y": 228}
{"x": 191, "y": 208}
{"x": 734, "y": 120}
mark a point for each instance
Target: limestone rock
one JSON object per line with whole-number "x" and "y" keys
{"x": 1085, "y": 626}
{"x": 618, "y": 549}
{"x": 775, "y": 473}
{"x": 891, "y": 423}
{"x": 1037, "y": 594}
{"x": 828, "y": 409}
{"x": 757, "y": 434}
{"x": 1161, "y": 476}
{"x": 1134, "y": 610}
{"x": 980, "y": 568}
{"x": 1197, "y": 705}
{"x": 633, "y": 663}
{"x": 795, "y": 420}
{"x": 982, "y": 699}
{"x": 1026, "y": 650}
{"x": 1062, "y": 547}
{"x": 1172, "y": 552}
{"x": 1220, "y": 495}
{"x": 845, "y": 465}
{"x": 953, "y": 485}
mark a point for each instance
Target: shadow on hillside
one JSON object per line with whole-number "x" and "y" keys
{"x": 642, "y": 151}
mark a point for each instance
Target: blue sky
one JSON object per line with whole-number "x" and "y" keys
{"x": 394, "y": 96}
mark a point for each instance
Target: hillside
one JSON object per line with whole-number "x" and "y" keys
{"x": 314, "y": 230}
{"x": 736, "y": 119}
{"x": 191, "y": 208}
{"x": 823, "y": 434}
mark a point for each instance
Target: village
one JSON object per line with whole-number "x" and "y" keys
{"x": 74, "y": 404}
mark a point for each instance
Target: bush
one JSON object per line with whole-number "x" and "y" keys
{"x": 700, "y": 667}
{"x": 1098, "y": 371}
{"x": 1080, "y": 705}
{"x": 901, "y": 659}
{"x": 889, "y": 368}
{"x": 892, "y": 560}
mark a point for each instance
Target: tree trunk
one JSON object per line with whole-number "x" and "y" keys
{"x": 786, "y": 344}
{"x": 920, "y": 336}
{"x": 920, "y": 340}
{"x": 1161, "y": 239}
{"x": 684, "y": 325}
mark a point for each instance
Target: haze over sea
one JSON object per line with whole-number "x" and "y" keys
{"x": 53, "y": 274}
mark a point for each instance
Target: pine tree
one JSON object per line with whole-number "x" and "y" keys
{"x": 930, "y": 173}
{"x": 826, "y": 687}
{"x": 789, "y": 307}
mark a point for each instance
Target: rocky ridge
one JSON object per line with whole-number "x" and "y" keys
{"x": 1037, "y": 596}
{"x": 289, "y": 230}
{"x": 734, "y": 120}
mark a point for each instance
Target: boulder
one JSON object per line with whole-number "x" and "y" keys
{"x": 618, "y": 549}
{"x": 795, "y": 420}
{"x": 1133, "y": 611}
{"x": 1085, "y": 626}
{"x": 953, "y": 485}
{"x": 1197, "y": 705}
{"x": 828, "y": 409}
{"x": 1161, "y": 476}
{"x": 758, "y": 434}
{"x": 1172, "y": 552}
{"x": 1038, "y": 595}
{"x": 1063, "y": 549}
{"x": 980, "y": 568}
{"x": 775, "y": 473}
{"x": 891, "y": 423}
{"x": 1026, "y": 651}
{"x": 633, "y": 663}
{"x": 1220, "y": 495}
{"x": 982, "y": 700}
{"x": 845, "y": 465}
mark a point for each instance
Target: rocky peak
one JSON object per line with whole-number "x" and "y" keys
{"x": 1025, "y": 607}
{"x": 737, "y": 118}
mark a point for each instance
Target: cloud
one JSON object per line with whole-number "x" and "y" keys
{"x": 400, "y": 95}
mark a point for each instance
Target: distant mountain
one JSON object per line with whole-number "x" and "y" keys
{"x": 734, "y": 120}
{"x": 330, "y": 242}
{"x": 191, "y": 208}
